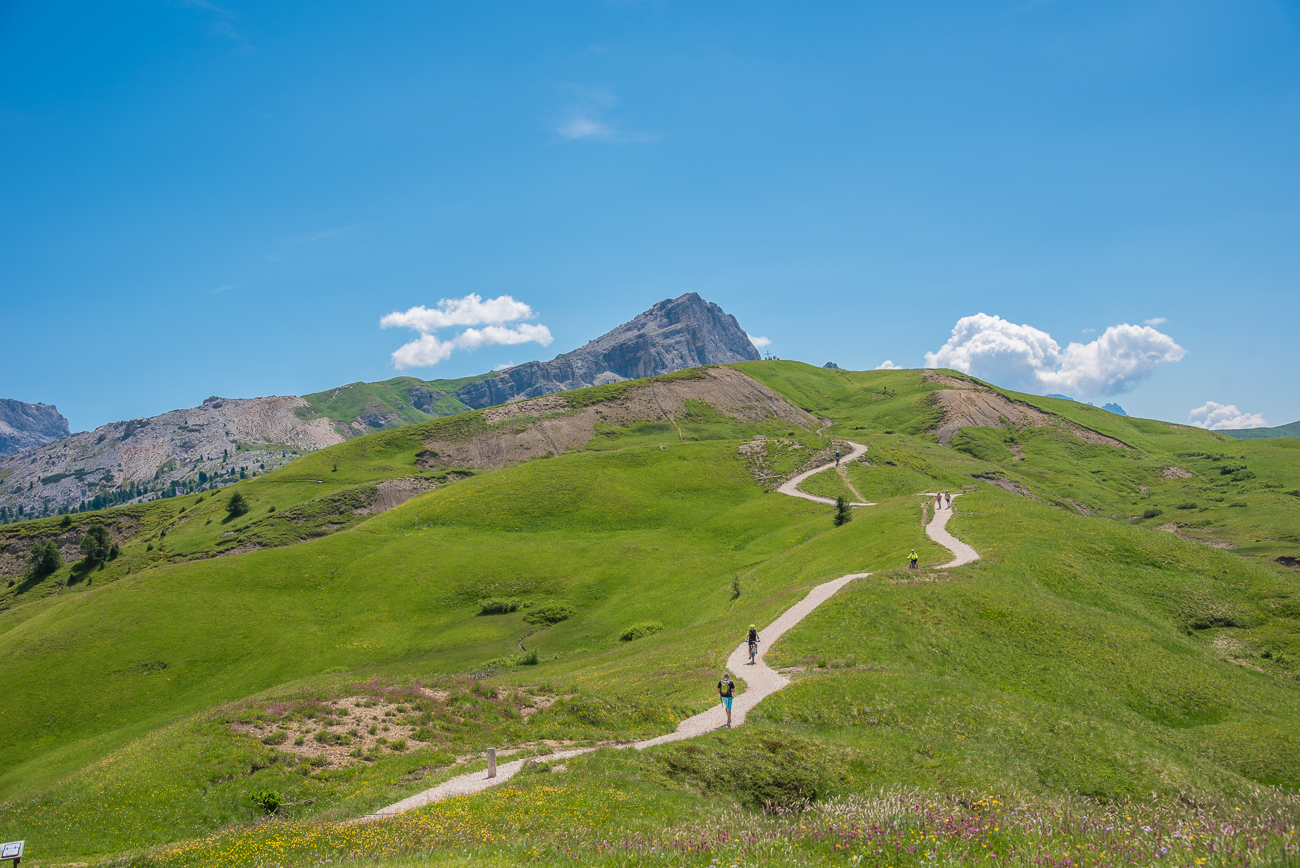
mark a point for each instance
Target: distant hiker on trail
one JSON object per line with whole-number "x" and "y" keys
{"x": 938, "y": 502}
{"x": 727, "y": 690}
{"x": 837, "y": 459}
{"x": 947, "y": 498}
{"x": 911, "y": 560}
{"x": 753, "y": 644}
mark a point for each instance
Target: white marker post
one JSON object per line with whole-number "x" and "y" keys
{"x": 492, "y": 762}
{"x": 12, "y": 852}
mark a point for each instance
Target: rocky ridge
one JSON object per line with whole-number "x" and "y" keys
{"x": 675, "y": 334}
{"x": 182, "y": 450}
{"x": 213, "y": 444}
{"x": 27, "y": 426}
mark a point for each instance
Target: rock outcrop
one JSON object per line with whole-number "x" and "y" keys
{"x": 125, "y": 461}
{"x": 27, "y": 426}
{"x": 675, "y": 334}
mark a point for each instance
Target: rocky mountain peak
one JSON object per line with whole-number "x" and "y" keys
{"x": 26, "y": 426}
{"x": 675, "y": 334}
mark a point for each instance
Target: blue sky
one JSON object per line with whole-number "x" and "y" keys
{"x": 204, "y": 198}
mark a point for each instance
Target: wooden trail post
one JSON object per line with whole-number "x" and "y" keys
{"x": 492, "y": 762}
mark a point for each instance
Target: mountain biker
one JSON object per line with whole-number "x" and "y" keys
{"x": 911, "y": 560}
{"x": 753, "y": 643}
{"x": 726, "y": 690}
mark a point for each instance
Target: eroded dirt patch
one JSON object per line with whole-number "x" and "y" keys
{"x": 967, "y": 403}
{"x": 1176, "y": 473}
{"x": 551, "y": 425}
{"x": 361, "y": 728}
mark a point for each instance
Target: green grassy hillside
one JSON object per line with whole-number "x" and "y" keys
{"x": 1292, "y": 430}
{"x": 1095, "y": 657}
{"x": 400, "y": 401}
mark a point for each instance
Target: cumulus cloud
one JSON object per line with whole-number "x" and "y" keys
{"x": 1028, "y": 359}
{"x": 888, "y": 365}
{"x": 1155, "y": 321}
{"x": 759, "y": 342}
{"x": 1224, "y": 417}
{"x": 472, "y": 310}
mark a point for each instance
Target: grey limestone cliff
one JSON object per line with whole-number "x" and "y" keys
{"x": 675, "y": 334}
{"x": 27, "y": 426}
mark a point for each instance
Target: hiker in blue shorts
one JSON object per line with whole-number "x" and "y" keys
{"x": 726, "y": 691}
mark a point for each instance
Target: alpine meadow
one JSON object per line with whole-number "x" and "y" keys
{"x": 1115, "y": 680}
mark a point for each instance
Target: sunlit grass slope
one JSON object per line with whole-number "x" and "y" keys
{"x": 1092, "y": 655}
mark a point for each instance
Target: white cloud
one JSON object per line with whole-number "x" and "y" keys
{"x": 586, "y": 119}
{"x": 1224, "y": 417}
{"x": 1155, "y": 321}
{"x": 471, "y": 310}
{"x": 759, "y": 342}
{"x": 582, "y": 127}
{"x": 1027, "y": 358}
{"x": 1088, "y": 331}
{"x": 503, "y": 366}
{"x": 887, "y": 365}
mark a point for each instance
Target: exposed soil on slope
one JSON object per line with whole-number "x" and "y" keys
{"x": 550, "y": 425}
{"x": 966, "y": 403}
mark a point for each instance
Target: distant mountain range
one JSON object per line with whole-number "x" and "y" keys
{"x": 226, "y": 439}
{"x": 1109, "y": 408}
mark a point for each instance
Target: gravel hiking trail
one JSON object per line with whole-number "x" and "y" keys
{"x": 792, "y": 487}
{"x": 760, "y": 679}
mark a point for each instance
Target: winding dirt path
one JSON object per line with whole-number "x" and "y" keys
{"x": 792, "y": 487}
{"x": 760, "y": 679}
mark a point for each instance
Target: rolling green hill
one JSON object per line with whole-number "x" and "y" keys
{"x": 1128, "y": 636}
{"x": 1292, "y": 430}
{"x": 391, "y": 403}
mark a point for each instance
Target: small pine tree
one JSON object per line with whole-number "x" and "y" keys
{"x": 237, "y": 505}
{"x": 843, "y": 515}
{"x": 96, "y": 544}
{"x": 44, "y": 559}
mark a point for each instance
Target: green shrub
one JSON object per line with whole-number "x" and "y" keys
{"x": 1187, "y": 504}
{"x": 237, "y": 505}
{"x": 636, "y": 631}
{"x": 1153, "y": 512}
{"x": 843, "y": 515}
{"x": 397, "y": 744}
{"x": 96, "y": 544}
{"x": 43, "y": 560}
{"x": 267, "y": 801}
{"x": 278, "y": 737}
{"x": 498, "y": 607}
{"x": 552, "y": 614}
{"x": 1237, "y": 504}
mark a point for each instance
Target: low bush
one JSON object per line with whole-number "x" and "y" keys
{"x": 497, "y": 607}
{"x": 637, "y": 631}
{"x": 552, "y": 614}
{"x": 1187, "y": 504}
{"x": 1153, "y": 512}
{"x": 278, "y": 737}
{"x": 1237, "y": 504}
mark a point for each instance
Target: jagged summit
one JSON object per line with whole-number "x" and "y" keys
{"x": 675, "y": 334}
{"x": 27, "y": 426}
